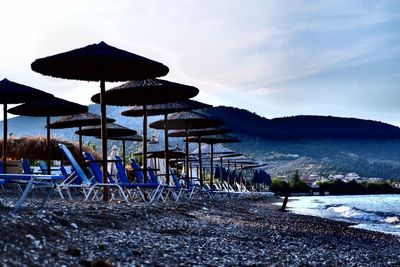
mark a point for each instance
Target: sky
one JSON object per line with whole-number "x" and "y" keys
{"x": 275, "y": 58}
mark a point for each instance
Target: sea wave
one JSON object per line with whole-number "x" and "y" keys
{"x": 352, "y": 213}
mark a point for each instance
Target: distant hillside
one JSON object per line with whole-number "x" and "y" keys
{"x": 303, "y": 127}
{"x": 312, "y": 144}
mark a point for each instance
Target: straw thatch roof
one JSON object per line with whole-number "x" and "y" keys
{"x": 187, "y": 120}
{"x": 77, "y": 120}
{"x": 148, "y": 91}
{"x": 113, "y": 130}
{"x": 14, "y": 93}
{"x": 48, "y": 107}
{"x": 34, "y": 147}
{"x": 99, "y": 62}
{"x": 166, "y": 108}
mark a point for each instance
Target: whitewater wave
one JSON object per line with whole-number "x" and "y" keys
{"x": 358, "y": 215}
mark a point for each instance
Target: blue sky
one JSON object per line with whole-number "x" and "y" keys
{"x": 275, "y": 58}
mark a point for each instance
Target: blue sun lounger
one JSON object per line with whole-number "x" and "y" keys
{"x": 151, "y": 186}
{"x": 31, "y": 181}
{"x": 98, "y": 175}
{"x": 76, "y": 179}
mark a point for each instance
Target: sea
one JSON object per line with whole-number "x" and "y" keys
{"x": 372, "y": 212}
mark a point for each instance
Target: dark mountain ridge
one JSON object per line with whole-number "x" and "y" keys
{"x": 303, "y": 126}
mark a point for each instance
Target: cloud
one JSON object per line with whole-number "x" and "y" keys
{"x": 265, "y": 91}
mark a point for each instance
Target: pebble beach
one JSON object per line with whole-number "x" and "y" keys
{"x": 249, "y": 231}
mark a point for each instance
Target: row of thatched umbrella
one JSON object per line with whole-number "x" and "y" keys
{"x": 146, "y": 92}
{"x": 165, "y": 109}
{"x": 101, "y": 62}
{"x": 15, "y": 93}
{"x": 48, "y": 108}
{"x": 78, "y": 121}
{"x": 184, "y": 121}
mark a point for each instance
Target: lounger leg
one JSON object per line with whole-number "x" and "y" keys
{"x": 59, "y": 192}
{"x": 23, "y": 196}
{"x": 46, "y": 197}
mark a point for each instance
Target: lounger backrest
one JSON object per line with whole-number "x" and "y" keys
{"x": 26, "y": 167}
{"x": 74, "y": 164}
{"x": 152, "y": 175}
{"x": 217, "y": 173}
{"x": 94, "y": 166}
{"x": 224, "y": 174}
{"x": 63, "y": 170}
{"x": 121, "y": 173}
{"x": 175, "y": 178}
{"x": 138, "y": 171}
{"x": 43, "y": 167}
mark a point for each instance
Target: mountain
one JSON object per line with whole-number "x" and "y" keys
{"x": 312, "y": 144}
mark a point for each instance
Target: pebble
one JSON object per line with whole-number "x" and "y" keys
{"x": 248, "y": 231}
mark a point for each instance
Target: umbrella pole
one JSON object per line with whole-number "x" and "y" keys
{"x": 220, "y": 171}
{"x": 104, "y": 138}
{"x": 123, "y": 151}
{"x": 48, "y": 144}
{"x": 144, "y": 156}
{"x": 166, "y": 148}
{"x": 5, "y": 137}
{"x": 212, "y": 166}
{"x": 80, "y": 144}
{"x": 187, "y": 157}
{"x": 200, "y": 165}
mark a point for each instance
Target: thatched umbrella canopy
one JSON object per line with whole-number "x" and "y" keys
{"x": 154, "y": 146}
{"x": 187, "y": 120}
{"x": 165, "y": 109}
{"x": 35, "y": 147}
{"x": 113, "y": 130}
{"x": 47, "y": 108}
{"x": 146, "y": 92}
{"x": 211, "y": 140}
{"x": 199, "y": 133}
{"x": 218, "y": 149}
{"x": 100, "y": 62}
{"x": 78, "y": 120}
{"x": 15, "y": 93}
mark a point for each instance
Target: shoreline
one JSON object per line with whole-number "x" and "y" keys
{"x": 247, "y": 231}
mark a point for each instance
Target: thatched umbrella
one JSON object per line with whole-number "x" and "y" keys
{"x": 199, "y": 133}
{"x": 211, "y": 140}
{"x": 35, "y": 147}
{"x": 187, "y": 120}
{"x": 15, "y": 93}
{"x": 113, "y": 131}
{"x": 100, "y": 62}
{"x": 165, "y": 109}
{"x": 146, "y": 92}
{"x": 78, "y": 120}
{"x": 48, "y": 108}
{"x": 155, "y": 149}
